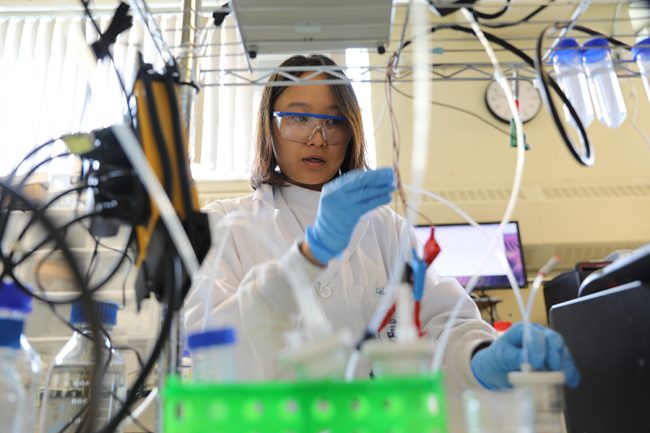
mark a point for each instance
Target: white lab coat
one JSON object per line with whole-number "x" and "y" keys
{"x": 248, "y": 289}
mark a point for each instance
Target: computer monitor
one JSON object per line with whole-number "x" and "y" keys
{"x": 608, "y": 334}
{"x": 462, "y": 247}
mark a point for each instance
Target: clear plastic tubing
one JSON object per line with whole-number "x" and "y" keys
{"x": 16, "y": 304}
{"x": 12, "y": 396}
{"x": 641, "y": 54}
{"x": 68, "y": 384}
{"x": 213, "y": 358}
{"x": 567, "y": 64}
{"x": 603, "y": 83}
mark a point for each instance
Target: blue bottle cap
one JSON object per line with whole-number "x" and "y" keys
{"x": 107, "y": 313}
{"x": 642, "y": 48}
{"x": 14, "y": 299}
{"x": 566, "y": 51}
{"x": 212, "y": 337}
{"x": 595, "y": 50}
{"x": 10, "y": 330}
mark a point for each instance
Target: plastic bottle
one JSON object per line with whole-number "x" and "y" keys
{"x": 16, "y": 304}
{"x": 212, "y": 355}
{"x": 546, "y": 389}
{"x": 603, "y": 83}
{"x": 567, "y": 64}
{"x": 186, "y": 366}
{"x": 641, "y": 54}
{"x": 12, "y": 396}
{"x": 69, "y": 377}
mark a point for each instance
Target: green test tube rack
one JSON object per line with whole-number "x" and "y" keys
{"x": 386, "y": 405}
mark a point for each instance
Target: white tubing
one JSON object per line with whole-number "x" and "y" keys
{"x": 390, "y": 291}
{"x": 500, "y": 255}
{"x": 137, "y": 413}
{"x": 141, "y": 166}
{"x": 405, "y": 330}
{"x": 503, "y": 82}
{"x": 351, "y": 368}
{"x": 537, "y": 283}
{"x": 419, "y": 155}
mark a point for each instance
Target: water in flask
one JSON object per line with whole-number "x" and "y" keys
{"x": 16, "y": 304}
{"x": 12, "y": 395}
{"x": 68, "y": 384}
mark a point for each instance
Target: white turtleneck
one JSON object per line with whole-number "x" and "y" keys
{"x": 302, "y": 202}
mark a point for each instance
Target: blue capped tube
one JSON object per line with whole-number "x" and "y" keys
{"x": 567, "y": 64}
{"x": 603, "y": 83}
{"x": 641, "y": 54}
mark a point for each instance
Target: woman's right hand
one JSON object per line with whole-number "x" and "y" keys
{"x": 342, "y": 203}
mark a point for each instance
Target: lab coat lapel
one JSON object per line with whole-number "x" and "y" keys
{"x": 282, "y": 212}
{"x": 271, "y": 207}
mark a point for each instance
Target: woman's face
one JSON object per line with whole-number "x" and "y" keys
{"x": 315, "y": 162}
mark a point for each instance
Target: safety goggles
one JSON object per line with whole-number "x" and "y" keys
{"x": 301, "y": 127}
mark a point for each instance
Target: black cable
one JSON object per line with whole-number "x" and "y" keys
{"x": 610, "y": 39}
{"x": 519, "y": 21}
{"x": 132, "y": 396}
{"x": 92, "y": 289}
{"x": 123, "y": 347}
{"x": 89, "y": 15}
{"x": 23, "y": 181}
{"x": 10, "y": 178}
{"x": 455, "y": 108}
{"x": 494, "y": 15}
{"x": 32, "y": 170}
{"x": 86, "y": 299}
{"x": 109, "y": 358}
{"x": 49, "y": 238}
{"x": 125, "y": 255}
{"x": 546, "y": 80}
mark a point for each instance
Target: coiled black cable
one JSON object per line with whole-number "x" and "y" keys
{"x": 586, "y": 158}
{"x": 86, "y": 298}
{"x": 494, "y": 15}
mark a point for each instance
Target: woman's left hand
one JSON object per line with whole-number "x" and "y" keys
{"x": 547, "y": 352}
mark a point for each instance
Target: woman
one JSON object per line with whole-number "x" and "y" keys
{"x": 312, "y": 188}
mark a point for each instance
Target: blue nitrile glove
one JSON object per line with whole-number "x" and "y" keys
{"x": 342, "y": 203}
{"x": 547, "y": 352}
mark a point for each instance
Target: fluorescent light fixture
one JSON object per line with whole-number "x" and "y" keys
{"x": 298, "y": 26}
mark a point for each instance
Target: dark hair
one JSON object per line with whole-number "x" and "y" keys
{"x": 264, "y": 163}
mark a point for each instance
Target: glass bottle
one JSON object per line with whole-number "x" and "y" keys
{"x": 68, "y": 383}
{"x": 16, "y": 304}
{"x": 12, "y": 396}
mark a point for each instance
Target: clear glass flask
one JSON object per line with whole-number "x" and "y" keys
{"x": 641, "y": 55}
{"x": 68, "y": 383}
{"x": 12, "y": 395}
{"x": 570, "y": 75}
{"x": 16, "y": 304}
{"x": 603, "y": 83}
